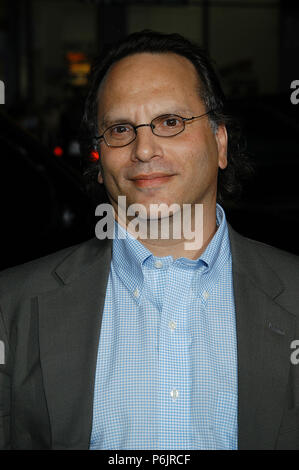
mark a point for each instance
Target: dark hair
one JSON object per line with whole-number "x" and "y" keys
{"x": 230, "y": 179}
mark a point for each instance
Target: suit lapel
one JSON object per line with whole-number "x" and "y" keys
{"x": 69, "y": 328}
{"x": 264, "y": 333}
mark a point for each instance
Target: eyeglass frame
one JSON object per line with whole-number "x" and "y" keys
{"x": 148, "y": 125}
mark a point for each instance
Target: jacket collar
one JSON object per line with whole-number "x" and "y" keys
{"x": 83, "y": 258}
{"x": 247, "y": 259}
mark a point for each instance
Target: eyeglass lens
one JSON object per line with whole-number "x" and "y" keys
{"x": 164, "y": 126}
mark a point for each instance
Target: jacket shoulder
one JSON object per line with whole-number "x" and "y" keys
{"x": 279, "y": 259}
{"x": 274, "y": 270}
{"x": 39, "y": 274}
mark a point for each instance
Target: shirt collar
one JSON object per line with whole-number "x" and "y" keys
{"x": 129, "y": 255}
{"x": 217, "y": 246}
{"x": 216, "y": 255}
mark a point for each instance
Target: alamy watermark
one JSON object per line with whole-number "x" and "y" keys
{"x": 2, "y": 92}
{"x": 2, "y": 353}
{"x": 160, "y": 221}
{"x": 295, "y": 94}
{"x": 294, "y": 358}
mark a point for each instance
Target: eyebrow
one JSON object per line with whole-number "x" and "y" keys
{"x": 107, "y": 122}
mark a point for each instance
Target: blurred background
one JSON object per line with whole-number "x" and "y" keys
{"x": 46, "y": 51}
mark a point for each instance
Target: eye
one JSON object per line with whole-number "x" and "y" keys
{"x": 120, "y": 129}
{"x": 171, "y": 122}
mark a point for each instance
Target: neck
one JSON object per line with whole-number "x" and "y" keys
{"x": 195, "y": 235}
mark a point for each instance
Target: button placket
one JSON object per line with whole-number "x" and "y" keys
{"x": 205, "y": 294}
{"x": 136, "y": 292}
{"x": 158, "y": 264}
{"x": 174, "y": 393}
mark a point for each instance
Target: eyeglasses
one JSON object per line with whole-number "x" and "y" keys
{"x": 167, "y": 125}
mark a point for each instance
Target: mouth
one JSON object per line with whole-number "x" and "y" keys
{"x": 153, "y": 179}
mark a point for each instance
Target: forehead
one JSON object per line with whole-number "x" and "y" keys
{"x": 146, "y": 77}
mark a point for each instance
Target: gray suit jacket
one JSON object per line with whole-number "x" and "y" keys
{"x": 50, "y": 322}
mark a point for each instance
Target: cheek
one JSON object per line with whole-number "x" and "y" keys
{"x": 110, "y": 165}
{"x": 191, "y": 156}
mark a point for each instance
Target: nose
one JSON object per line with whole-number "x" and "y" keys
{"x": 146, "y": 145}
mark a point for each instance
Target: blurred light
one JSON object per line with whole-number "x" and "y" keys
{"x": 58, "y": 151}
{"x": 94, "y": 156}
{"x": 82, "y": 68}
{"x": 68, "y": 217}
{"x": 76, "y": 56}
{"x": 78, "y": 68}
{"x": 74, "y": 148}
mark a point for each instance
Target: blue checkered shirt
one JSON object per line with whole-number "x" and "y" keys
{"x": 166, "y": 375}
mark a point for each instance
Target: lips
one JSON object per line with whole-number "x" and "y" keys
{"x": 150, "y": 176}
{"x": 152, "y": 179}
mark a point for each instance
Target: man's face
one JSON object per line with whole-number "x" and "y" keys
{"x": 137, "y": 89}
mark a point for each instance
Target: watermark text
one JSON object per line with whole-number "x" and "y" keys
{"x": 2, "y": 92}
{"x": 295, "y": 94}
{"x": 158, "y": 221}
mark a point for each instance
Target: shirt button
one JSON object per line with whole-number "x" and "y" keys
{"x": 205, "y": 295}
{"x": 158, "y": 264}
{"x": 174, "y": 393}
{"x": 172, "y": 325}
{"x": 136, "y": 292}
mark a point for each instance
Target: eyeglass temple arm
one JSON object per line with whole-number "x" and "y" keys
{"x": 201, "y": 115}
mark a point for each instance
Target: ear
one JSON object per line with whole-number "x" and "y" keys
{"x": 221, "y": 139}
{"x": 100, "y": 177}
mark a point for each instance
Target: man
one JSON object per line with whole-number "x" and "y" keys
{"x": 143, "y": 342}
